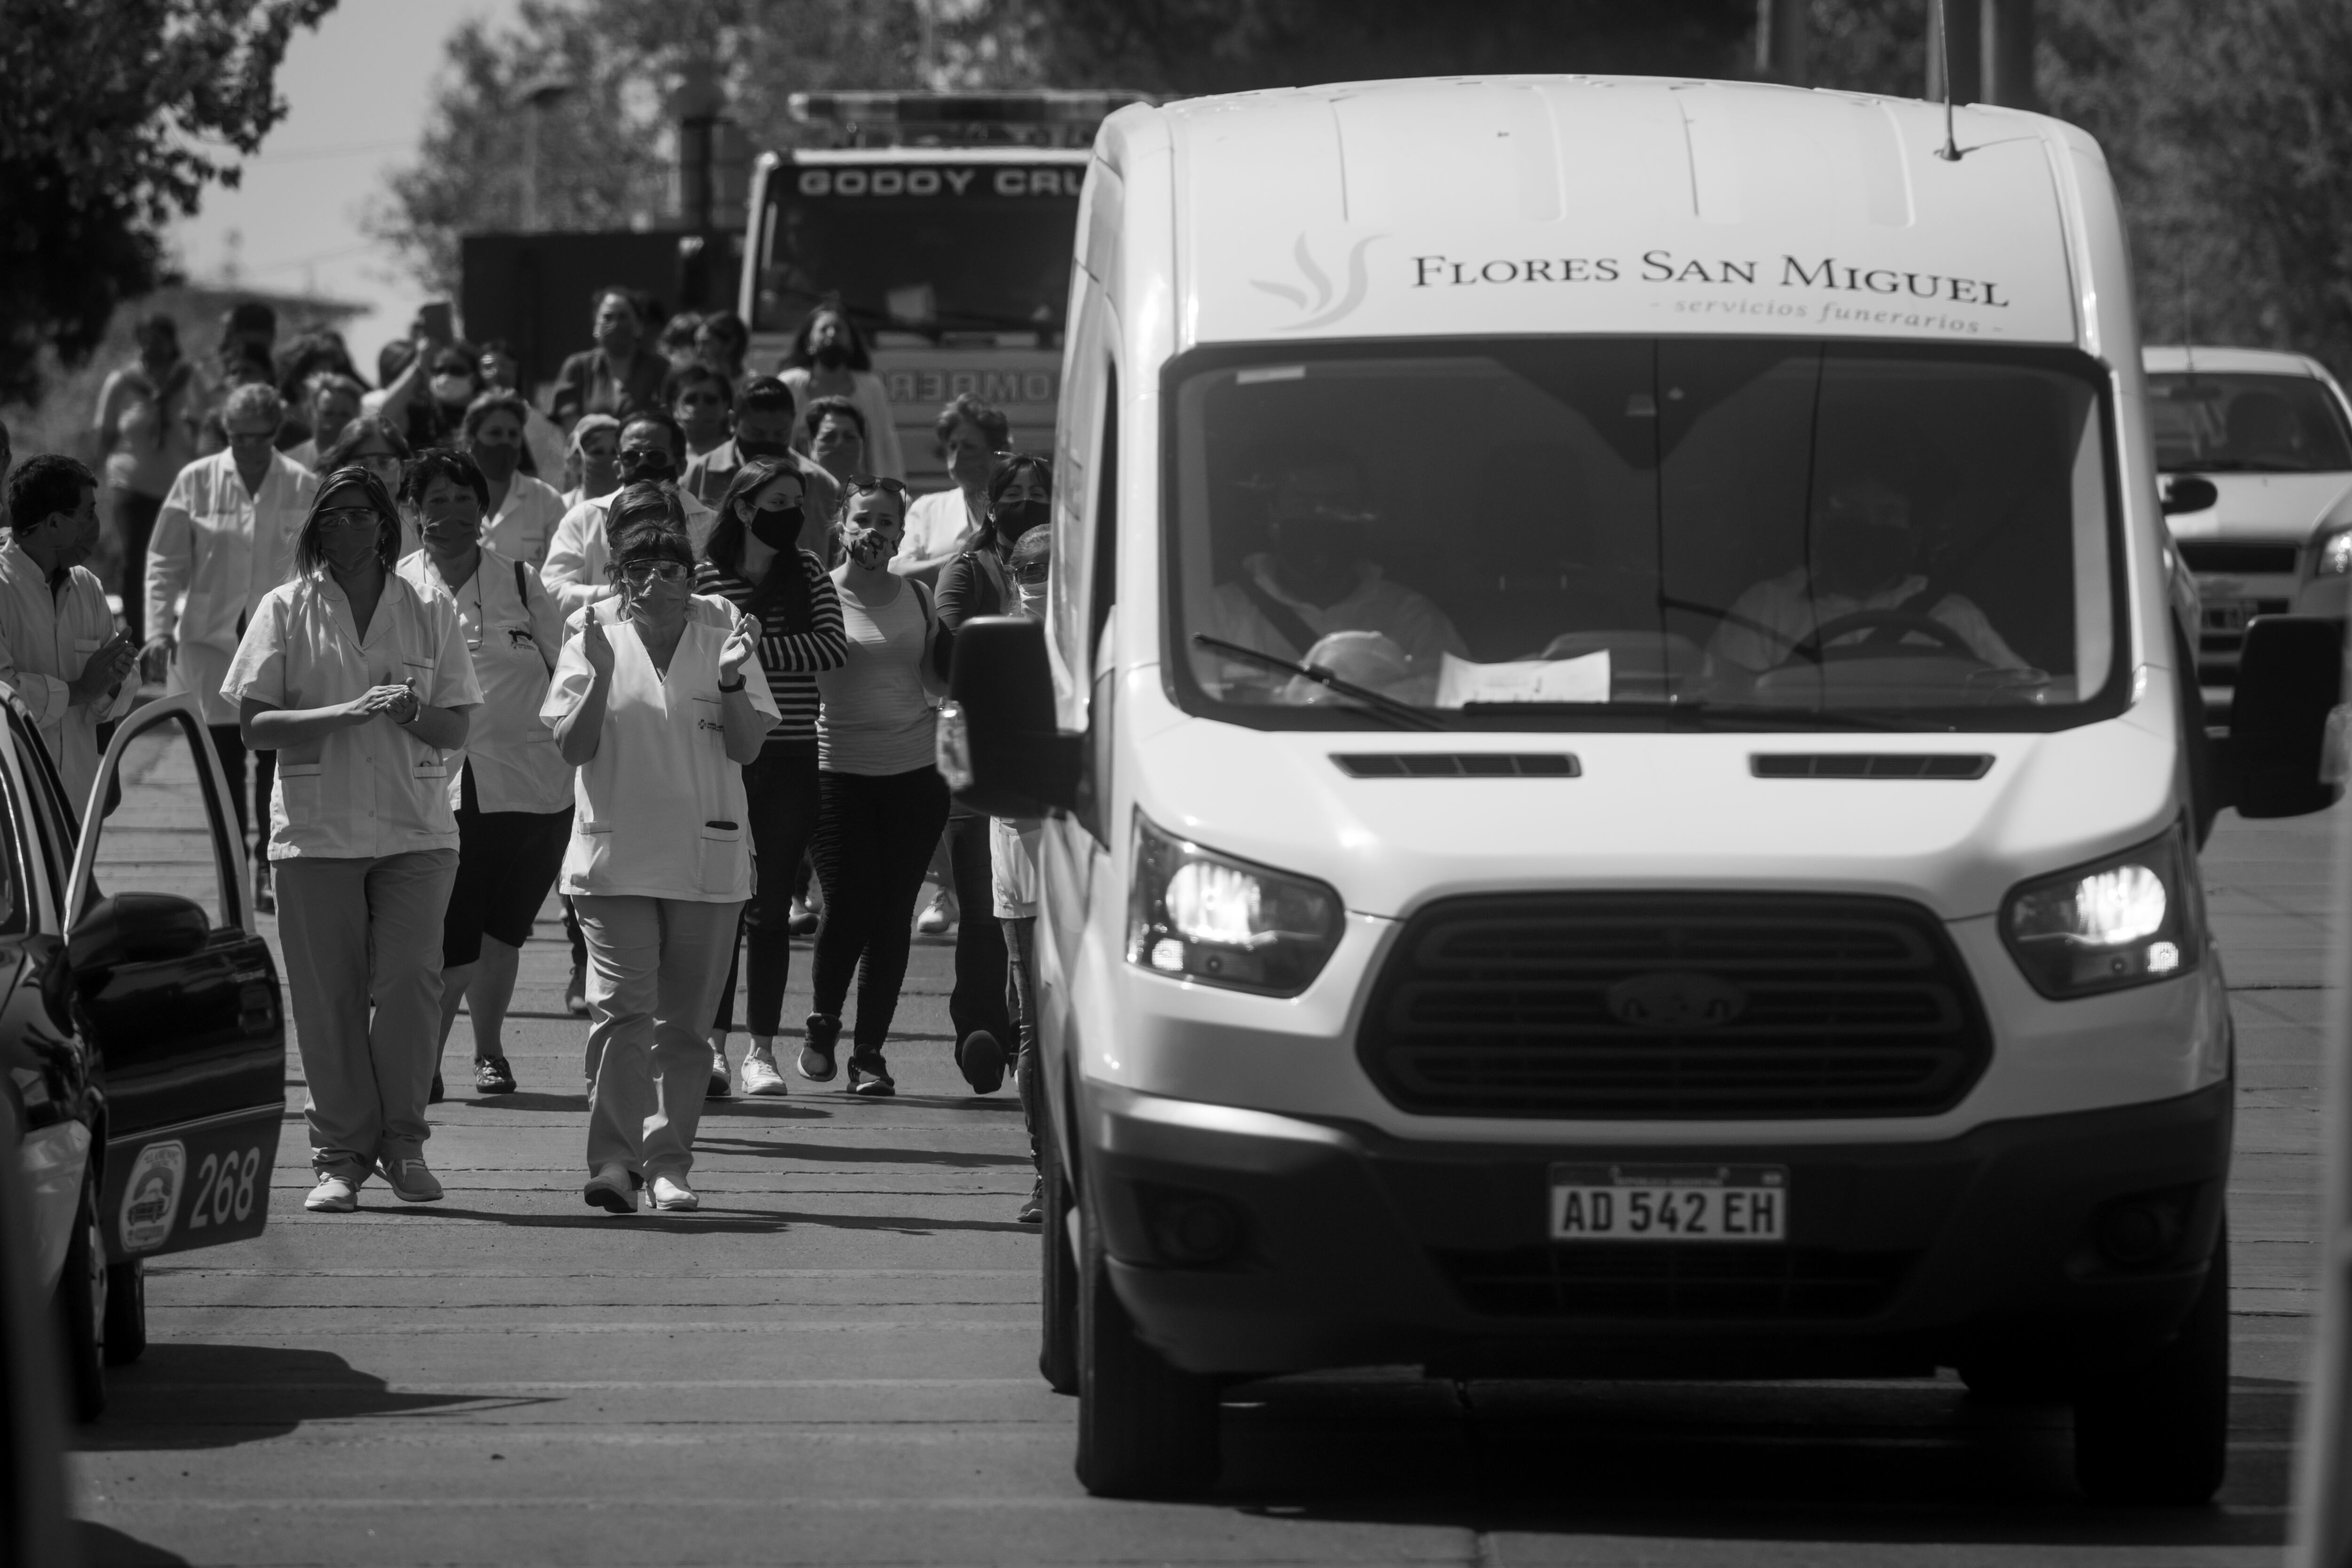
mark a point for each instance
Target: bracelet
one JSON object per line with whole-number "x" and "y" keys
{"x": 737, "y": 687}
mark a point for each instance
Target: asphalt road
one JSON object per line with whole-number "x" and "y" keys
{"x": 833, "y": 1362}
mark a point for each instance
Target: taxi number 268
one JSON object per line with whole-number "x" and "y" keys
{"x": 223, "y": 1188}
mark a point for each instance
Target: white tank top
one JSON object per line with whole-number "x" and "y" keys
{"x": 876, "y": 717}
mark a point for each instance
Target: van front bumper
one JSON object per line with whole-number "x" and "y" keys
{"x": 1355, "y": 1247}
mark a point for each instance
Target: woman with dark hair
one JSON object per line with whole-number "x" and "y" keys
{"x": 146, "y": 431}
{"x": 980, "y": 582}
{"x": 720, "y": 342}
{"x": 362, "y": 682}
{"x": 619, "y": 375}
{"x": 833, "y": 431}
{"x": 828, "y": 359}
{"x": 652, "y": 702}
{"x": 521, "y": 511}
{"x": 511, "y": 792}
{"x": 880, "y": 799}
{"x": 940, "y": 526}
{"x": 754, "y": 560}
{"x": 375, "y": 443}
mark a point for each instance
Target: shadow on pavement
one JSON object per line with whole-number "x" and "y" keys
{"x": 860, "y": 1154}
{"x": 597, "y": 1219}
{"x": 185, "y": 1395}
{"x": 103, "y": 1546}
{"x": 1882, "y": 1462}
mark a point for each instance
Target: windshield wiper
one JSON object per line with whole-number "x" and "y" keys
{"x": 1388, "y": 708}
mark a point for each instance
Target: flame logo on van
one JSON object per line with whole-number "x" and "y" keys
{"x": 1320, "y": 310}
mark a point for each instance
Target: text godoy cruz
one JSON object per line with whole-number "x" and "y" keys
{"x": 1825, "y": 274}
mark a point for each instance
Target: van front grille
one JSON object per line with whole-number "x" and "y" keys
{"x": 1649, "y": 1281}
{"x": 1623, "y": 1007}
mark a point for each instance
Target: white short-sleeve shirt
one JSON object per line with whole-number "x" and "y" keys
{"x": 373, "y": 789}
{"x": 513, "y": 633}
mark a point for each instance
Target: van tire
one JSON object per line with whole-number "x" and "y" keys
{"x": 1145, "y": 1429}
{"x": 81, "y": 1311}
{"x": 126, "y": 1311}
{"x": 2160, "y": 1431}
{"x": 1057, "y": 1347}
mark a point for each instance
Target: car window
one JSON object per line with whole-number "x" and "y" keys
{"x": 158, "y": 840}
{"x": 2246, "y": 423}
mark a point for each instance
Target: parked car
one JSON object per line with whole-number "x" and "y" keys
{"x": 144, "y": 1042}
{"x": 2254, "y": 448}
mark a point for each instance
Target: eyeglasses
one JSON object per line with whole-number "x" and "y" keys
{"x": 867, "y": 484}
{"x": 349, "y": 517}
{"x": 1033, "y": 571}
{"x": 640, "y": 573}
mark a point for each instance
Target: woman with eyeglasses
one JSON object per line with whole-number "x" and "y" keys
{"x": 754, "y": 560}
{"x": 375, "y": 443}
{"x": 880, "y": 799}
{"x": 1018, "y": 498}
{"x": 510, "y": 790}
{"x": 652, "y": 702}
{"x": 361, "y": 682}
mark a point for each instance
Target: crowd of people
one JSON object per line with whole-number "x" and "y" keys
{"x": 669, "y": 647}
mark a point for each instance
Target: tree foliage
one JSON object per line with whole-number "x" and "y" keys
{"x": 114, "y": 116}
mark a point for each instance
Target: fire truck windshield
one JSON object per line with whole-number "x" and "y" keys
{"x": 932, "y": 249}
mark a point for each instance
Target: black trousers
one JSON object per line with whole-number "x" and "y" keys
{"x": 873, "y": 841}
{"x": 134, "y": 521}
{"x": 781, "y": 789}
{"x": 1020, "y": 997}
{"x": 978, "y": 1000}
{"x": 229, "y": 742}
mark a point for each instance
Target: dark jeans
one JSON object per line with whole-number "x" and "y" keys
{"x": 781, "y": 790}
{"x": 978, "y": 1000}
{"x": 229, "y": 742}
{"x": 134, "y": 521}
{"x": 873, "y": 841}
{"x": 1021, "y": 999}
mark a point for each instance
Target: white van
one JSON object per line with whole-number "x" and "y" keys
{"x": 1623, "y": 796}
{"x": 2253, "y": 452}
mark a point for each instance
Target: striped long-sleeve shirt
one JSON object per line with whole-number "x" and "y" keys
{"x": 790, "y": 659}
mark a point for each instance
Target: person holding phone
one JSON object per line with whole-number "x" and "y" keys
{"x": 653, "y": 701}
{"x": 361, "y": 679}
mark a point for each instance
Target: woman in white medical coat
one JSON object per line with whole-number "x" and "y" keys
{"x": 651, "y": 702}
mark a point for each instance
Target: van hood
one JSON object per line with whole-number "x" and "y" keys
{"x": 1666, "y": 811}
{"x": 2264, "y": 506}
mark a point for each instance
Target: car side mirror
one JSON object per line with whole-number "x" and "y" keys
{"x": 999, "y": 749}
{"x": 2290, "y": 678}
{"x": 135, "y": 928}
{"x": 2186, "y": 492}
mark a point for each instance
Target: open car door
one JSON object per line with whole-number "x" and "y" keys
{"x": 178, "y": 994}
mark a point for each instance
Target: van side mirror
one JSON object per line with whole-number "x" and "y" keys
{"x": 135, "y": 928}
{"x": 999, "y": 749}
{"x": 2186, "y": 492}
{"x": 2290, "y": 678}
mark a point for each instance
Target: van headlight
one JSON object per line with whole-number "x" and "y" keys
{"x": 2130, "y": 919}
{"x": 2332, "y": 554}
{"x": 1194, "y": 914}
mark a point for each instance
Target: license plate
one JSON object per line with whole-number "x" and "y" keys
{"x": 1669, "y": 1203}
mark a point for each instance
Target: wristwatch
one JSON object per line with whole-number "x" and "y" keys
{"x": 737, "y": 687}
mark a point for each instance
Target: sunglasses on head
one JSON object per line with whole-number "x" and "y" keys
{"x": 867, "y": 484}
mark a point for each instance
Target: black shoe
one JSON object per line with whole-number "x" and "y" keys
{"x": 265, "y": 896}
{"x": 1034, "y": 1211}
{"x": 492, "y": 1076}
{"x": 821, "y": 1034}
{"x": 433, "y": 1096}
{"x": 575, "y": 994}
{"x": 869, "y": 1076}
{"x": 981, "y": 1060}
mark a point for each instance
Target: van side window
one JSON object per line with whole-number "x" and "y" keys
{"x": 1094, "y": 785}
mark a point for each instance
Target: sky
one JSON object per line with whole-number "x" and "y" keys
{"x": 355, "y": 90}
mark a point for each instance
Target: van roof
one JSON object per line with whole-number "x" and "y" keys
{"x": 1516, "y": 205}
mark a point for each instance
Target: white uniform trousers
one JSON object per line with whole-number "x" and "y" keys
{"x": 654, "y": 966}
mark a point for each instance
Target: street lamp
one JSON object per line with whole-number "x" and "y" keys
{"x": 535, "y": 96}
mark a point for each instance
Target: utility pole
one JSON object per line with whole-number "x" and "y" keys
{"x": 1961, "y": 24}
{"x": 2006, "y": 55}
{"x": 535, "y": 98}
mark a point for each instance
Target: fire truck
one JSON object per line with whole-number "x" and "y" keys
{"x": 945, "y": 222}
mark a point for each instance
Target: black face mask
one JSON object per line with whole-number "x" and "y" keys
{"x": 833, "y": 356}
{"x": 1019, "y": 518}
{"x": 777, "y": 530}
{"x": 762, "y": 448}
{"x": 648, "y": 464}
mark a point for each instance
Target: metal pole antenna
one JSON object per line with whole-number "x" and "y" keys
{"x": 1951, "y": 152}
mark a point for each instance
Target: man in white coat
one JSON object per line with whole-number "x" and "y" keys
{"x": 59, "y": 648}
{"x": 223, "y": 538}
{"x": 652, "y": 451}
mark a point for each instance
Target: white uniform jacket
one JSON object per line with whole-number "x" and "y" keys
{"x": 514, "y": 632}
{"x": 373, "y": 789}
{"x": 525, "y": 521}
{"x": 574, "y": 570}
{"x": 217, "y": 548}
{"x": 659, "y": 812}
{"x": 46, "y": 637}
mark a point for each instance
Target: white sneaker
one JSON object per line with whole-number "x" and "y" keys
{"x": 761, "y": 1077}
{"x": 938, "y": 915}
{"x": 670, "y": 1192}
{"x": 334, "y": 1194}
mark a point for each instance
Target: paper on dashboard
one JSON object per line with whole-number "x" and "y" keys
{"x": 1461, "y": 681}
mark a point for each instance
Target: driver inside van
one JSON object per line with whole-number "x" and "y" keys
{"x": 1868, "y": 550}
{"x": 1314, "y": 579}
